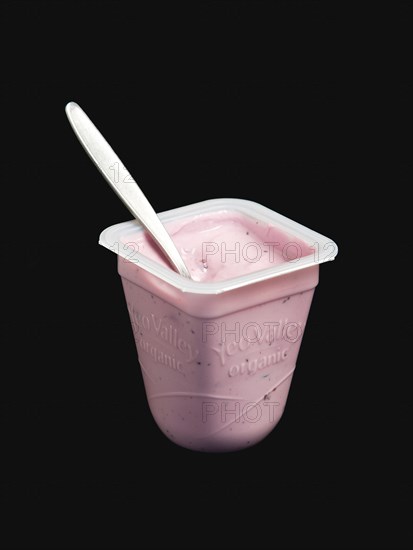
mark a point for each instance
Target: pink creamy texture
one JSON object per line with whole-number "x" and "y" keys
{"x": 207, "y": 359}
{"x": 222, "y": 245}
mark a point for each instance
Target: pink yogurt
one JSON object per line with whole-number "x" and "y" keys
{"x": 218, "y": 353}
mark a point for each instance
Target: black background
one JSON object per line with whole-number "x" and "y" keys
{"x": 304, "y": 107}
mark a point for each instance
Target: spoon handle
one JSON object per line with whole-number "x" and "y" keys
{"x": 112, "y": 169}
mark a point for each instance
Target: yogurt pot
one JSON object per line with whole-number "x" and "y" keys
{"x": 218, "y": 352}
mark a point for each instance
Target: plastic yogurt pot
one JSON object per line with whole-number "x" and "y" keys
{"x": 218, "y": 352}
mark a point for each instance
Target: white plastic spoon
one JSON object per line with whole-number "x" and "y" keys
{"x": 109, "y": 164}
